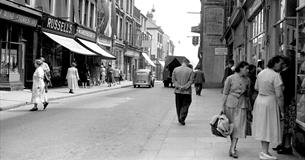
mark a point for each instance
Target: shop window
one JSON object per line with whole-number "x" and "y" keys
{"x": 301, "y": 69}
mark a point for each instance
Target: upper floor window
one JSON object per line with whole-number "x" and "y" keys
{"x": 92, "y": 15}
{"x": 86, "y": 12}
{"x": 51, "y": 6}
{"x": 30, "y": 3}
{"x": 80, "y": 11}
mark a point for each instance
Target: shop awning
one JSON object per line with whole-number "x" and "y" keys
{"x": 148, "y": 59}
{"x": 70, "y": 44}
{"x": 97, "y": 49}
{"x": 162, "y": 63}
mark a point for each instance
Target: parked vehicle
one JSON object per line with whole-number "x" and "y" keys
{"x": 143, "y": 77}
{"x": 171, "y": 62}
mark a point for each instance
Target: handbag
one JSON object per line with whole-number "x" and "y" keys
{"x": 220, "y": 125}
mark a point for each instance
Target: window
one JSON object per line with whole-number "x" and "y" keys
{"x": 258, "y": 35}
{"x": 121, "y": 27}
{"x": 80, "y": 11}
{"x": 51, "y": 6}
{"x": 130, "y": 33}
{"x": 130, "y": 7}
{"x": 126, "y": 31}
{"x": 30, "y": 3}
{"x": 92, "y": 15}
{"x": 86, "y": 13}
{"x": 127, "y": 6}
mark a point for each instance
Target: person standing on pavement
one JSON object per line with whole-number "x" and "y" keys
{"x": 289, "y": 119}
{"x": 72, "y": 78}
{"x": 47, "y": 74}
{"x": 199, "y": 80}
{"x": 228, "y": 71}
{"x": 182, "y": 78}
{"x": 236, "y": 103}
{"x": 103, "y": 74}
{"x": 38, "y": 87}
{"x": 110, "y": 78}
{"x": 268, "y": 106}
{"x": 117, "y": 76}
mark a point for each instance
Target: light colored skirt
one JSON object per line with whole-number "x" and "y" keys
{"x": 266, "y": 119}
{"x": 237, "y": 116}
{"x": 39, "y": 95}
{"x": 72, "y": 83}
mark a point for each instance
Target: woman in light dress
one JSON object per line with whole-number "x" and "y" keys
{"x": 38, "y": 88}
{"x": 236, "y": 103}
{"x": 268, "y": 106}
{"x": 72, "y": 78}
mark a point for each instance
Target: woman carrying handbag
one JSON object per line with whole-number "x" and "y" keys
{"x": 236, "y": 103}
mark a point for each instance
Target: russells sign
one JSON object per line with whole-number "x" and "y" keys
{"x": 58, "y": 25}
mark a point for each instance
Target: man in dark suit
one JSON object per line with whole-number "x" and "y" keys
{"x": 199, "y": 80}
{"x": 228, "y": 71}
{"x": 182, "y": 78}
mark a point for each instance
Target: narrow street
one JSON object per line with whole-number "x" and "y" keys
{"x": 109, "y": 125}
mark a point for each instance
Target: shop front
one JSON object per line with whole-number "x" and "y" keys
{"x": 87, "y": 38}
{"x": 59, "y": 47}
{"x": 131, "y": 59}
{"x": 299, "y": 137}
{"x": 18, "y": 46}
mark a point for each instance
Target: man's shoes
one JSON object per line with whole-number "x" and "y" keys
{"x": 45, "y": 104}
{"x": 285, "y": 150}
{"x": 278, "y": 147}
{"x": 263, "y": 156}
{"x": 34, "y": 109}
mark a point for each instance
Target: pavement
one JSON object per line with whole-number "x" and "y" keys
{"x": 193, "y": 141}
{"x": 14, "y": 99}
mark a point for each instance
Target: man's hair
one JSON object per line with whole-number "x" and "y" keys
{"x": 274, "y": 60}
{"x": 286, "y": 60}
{"x": 231, "y": 61}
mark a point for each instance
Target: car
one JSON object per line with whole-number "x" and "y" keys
{"x": 143, "y": 77}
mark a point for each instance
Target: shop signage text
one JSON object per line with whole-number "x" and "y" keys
{"x": 15, "y": 17}
{"x": 58, "y": 25}
{"x": 84, "y": 33}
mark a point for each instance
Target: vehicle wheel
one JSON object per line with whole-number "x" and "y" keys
{"x": 138, "y": 86}
{"x": 149, "y": 86}
{"x": 134, "y": 86}
{"x": 165, "y": 84}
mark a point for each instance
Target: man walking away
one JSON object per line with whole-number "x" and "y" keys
{"x": 228, "y": 71}
{"x": 182, "y": 78}
{"x": 199, "y": 81}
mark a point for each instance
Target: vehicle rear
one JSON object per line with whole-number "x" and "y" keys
{"x": 143, "y": 77}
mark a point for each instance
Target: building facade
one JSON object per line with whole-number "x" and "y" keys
{"x": 258, "y": 30}
{"x": 211, "y": 55}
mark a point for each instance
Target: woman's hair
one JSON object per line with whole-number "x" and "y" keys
{"x": 38, "y": 62}
{"x": 274, "y": 60}
{"x": 73, "y": 64}
{"x": 240, "y": 65}
{"x": 286, "y": 60}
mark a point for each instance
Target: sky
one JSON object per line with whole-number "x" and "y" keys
{"x": 176, "y": 22}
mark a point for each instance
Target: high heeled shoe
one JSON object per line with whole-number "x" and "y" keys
{"x": 34, "y": 109}
{"x": 233, "y": 154}
{"x": 45, "y": 104}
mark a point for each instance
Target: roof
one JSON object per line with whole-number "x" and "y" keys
{"x": 170, "y": 59}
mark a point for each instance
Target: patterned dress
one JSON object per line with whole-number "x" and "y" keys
{"x": 38, "y": 88}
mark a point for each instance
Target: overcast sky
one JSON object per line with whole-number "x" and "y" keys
{"x": 174, "y": 19}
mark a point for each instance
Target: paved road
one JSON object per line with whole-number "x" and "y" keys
{"x": 109, "y": 125}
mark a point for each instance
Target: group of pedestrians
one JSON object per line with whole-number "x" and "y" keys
{"x": 256, "y": 102}
{"x": 269, "y": 97}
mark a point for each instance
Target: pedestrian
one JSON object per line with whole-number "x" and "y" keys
{"x": 117, "y": 76}
{"x": 109, "y": 73}
{"x": 103, "y": 74}
{"x": 236, "y": 103}
{"x": 268, "y": 106}
{"x": 182, "y": 78}
{"x": 72, "y": 78}
{"x": 228, "y": 71}
{"x": 47, "y": 74}
{"x": 289, "y": 118}
{"x": 85, "y": 76}
{"x": 38, "y": 87}
{"x": 199, "y": 80}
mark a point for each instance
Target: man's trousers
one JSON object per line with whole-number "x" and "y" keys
{"x": 198, "y": 87}
{"x": 183, "y": 102}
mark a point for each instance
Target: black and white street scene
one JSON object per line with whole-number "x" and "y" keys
{"x": 152, "y": 79}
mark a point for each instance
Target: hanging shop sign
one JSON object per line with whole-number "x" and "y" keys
{"x": 85, "y": 33}
{"x": 57, "y": 25}
{"x": 15, "y": 17}
{"x": 221, "y": 51}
